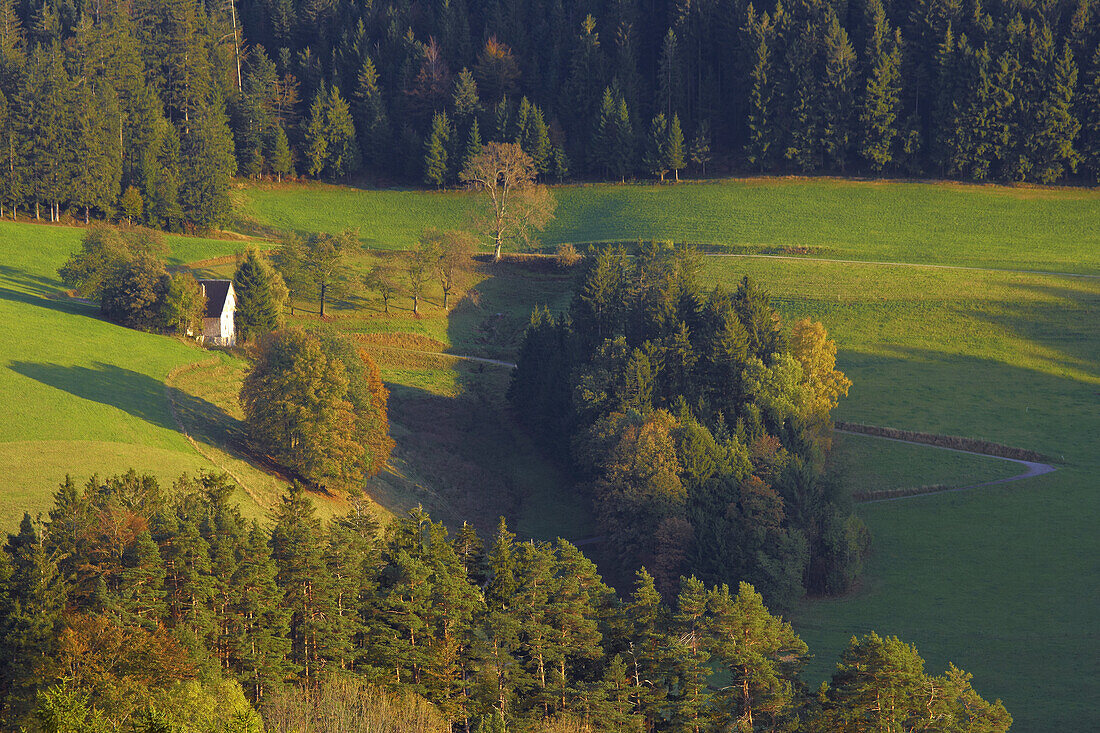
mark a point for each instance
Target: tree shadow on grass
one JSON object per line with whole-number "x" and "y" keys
{"x": 34, "y": 284}
{"x": 132, "y": 392}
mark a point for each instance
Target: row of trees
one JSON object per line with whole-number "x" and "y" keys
{"x": 697, "y": 424}
{"x": 148, "y": 608}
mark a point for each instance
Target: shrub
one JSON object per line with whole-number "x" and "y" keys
{"x": 567, "y": 256}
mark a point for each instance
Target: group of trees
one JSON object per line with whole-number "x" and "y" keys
{"x": 149, "y": 609}
{"x": 125, "y": 272}
{"x": 317, "y": 405}
{"x": 145, "y": 111}
{"x": 696, "y": 423}
{"x": 117, "y": 111}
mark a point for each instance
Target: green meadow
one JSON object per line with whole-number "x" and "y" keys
{"x": 950, "y": 224}
{"x": 998, "y": 580}
{"x": 81, "y": 395}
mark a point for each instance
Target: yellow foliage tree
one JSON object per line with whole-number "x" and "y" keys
{"x": 813, "y": 349}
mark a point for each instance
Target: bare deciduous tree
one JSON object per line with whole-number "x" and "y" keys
{"x": 517, "y": 206}
{"x": 454, "y": 251}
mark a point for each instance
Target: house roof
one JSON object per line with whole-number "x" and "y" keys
{"x": 216, "y": 292}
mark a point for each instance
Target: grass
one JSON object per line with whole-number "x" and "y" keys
{"x": 937, "y": 223}
{"x": 991, "y": 579}
{"x": 80, "y": 395}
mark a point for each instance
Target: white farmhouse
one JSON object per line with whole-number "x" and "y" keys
{"x": 221, "y": 303}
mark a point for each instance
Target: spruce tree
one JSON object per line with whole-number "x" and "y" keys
{"x": 1056, "y": 128}
{"x": 141, "y": 586}
{"x": 837, "y": 97}
{"x": 279, "y": 155}
{"x": 261, "y": 296}
{"x": 1090, "y": 103}
{"x": 372, "y": 122}
{"x": 98, "y": 155}
{"x": 207, "y": 167}
{"x": 674, "y": 149}
{"x": 623, "y": 142}
{"x": 762, "y": 134}
{"x": 881, "y": 98}
{"x": 700, "y": 147}
{"x": 464, "y": 99}
{"x": 473, "y": 144}
{"x": 436, "y": 171}
{"x": 656, "y": 148}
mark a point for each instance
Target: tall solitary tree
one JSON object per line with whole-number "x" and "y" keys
{"x": 514, "y": 207}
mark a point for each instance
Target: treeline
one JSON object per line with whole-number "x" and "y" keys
{"x": 698, "y": 426}
{"x": 998, "y": 90}
{"x": 137, "y": 607}
{"x": 146, "y": 110}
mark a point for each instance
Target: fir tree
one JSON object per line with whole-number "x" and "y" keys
{"x": 259, "y": 641}
{"x": 464, "y": 99}
{"x": 1090, "y": 102}
{"x": 279, "y": 156}
{"x": 372, "y": 122}
{"x": 207, "y": 167}
{"x": 759, "y": 148}
{"x": 473, "y": 145}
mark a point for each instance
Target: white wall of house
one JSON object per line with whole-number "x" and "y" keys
{"x": 222, "y": 331}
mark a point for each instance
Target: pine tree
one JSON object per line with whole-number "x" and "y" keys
{"x": 880, "y": 105}
{"x": 141, "y": 587}
{"x": 316, "y": 135}
{"x": 259, "y": 642}
{"x": 436, "y": 171}
{"x": 297, "y": 549}
{"x": 622, "y": 150}
{"x": 674, "y": 149}
{"x": 261, "y": 296}
{"x": 762, "y": 655}
{"x": 45, "y": 129}
{"x": 343, "y": 151}
{"x": 656, "y": 150}
{"x": 691, "y": 657}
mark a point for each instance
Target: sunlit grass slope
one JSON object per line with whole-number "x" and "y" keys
{"x": 981, "y": 226}
{"x": 996, "y": 579}
{"x": 80, "y": 395}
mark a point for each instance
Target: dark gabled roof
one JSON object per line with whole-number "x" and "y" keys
{"x": 216, "y": 290}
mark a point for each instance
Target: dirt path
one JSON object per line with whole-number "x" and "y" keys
{"x": 1031, "y": 468}
{"x": 463, "y": 357}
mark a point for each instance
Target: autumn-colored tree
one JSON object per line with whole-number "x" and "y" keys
{"x": 454, "y": 251}
{"x": 813, "y": 349}
{"x": 515, "y": 206}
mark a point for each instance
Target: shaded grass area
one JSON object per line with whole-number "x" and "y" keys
{"x": 942, "y": 223}
{"x": 991, "y": 578}
{"x": 867, "y": 464}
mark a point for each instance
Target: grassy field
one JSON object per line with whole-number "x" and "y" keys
{"x": 82, "y": 395}
{"x": 996, "y": 579}
{"x": 978, "y": 226}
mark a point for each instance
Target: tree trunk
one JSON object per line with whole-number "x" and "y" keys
{"x": 677, "y": 171}
{"x": 323, "y": 289}
{"x": 446, "y": 294}
{"x": 416, "y": 305}
{"x": 496, "y": 254}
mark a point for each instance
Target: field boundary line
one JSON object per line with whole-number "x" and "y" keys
{"x": 194, "y": 444}
{"x": 463, "y": 357}
{"x": 1031, "y": 468}
{"x": 901, "y": 264}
